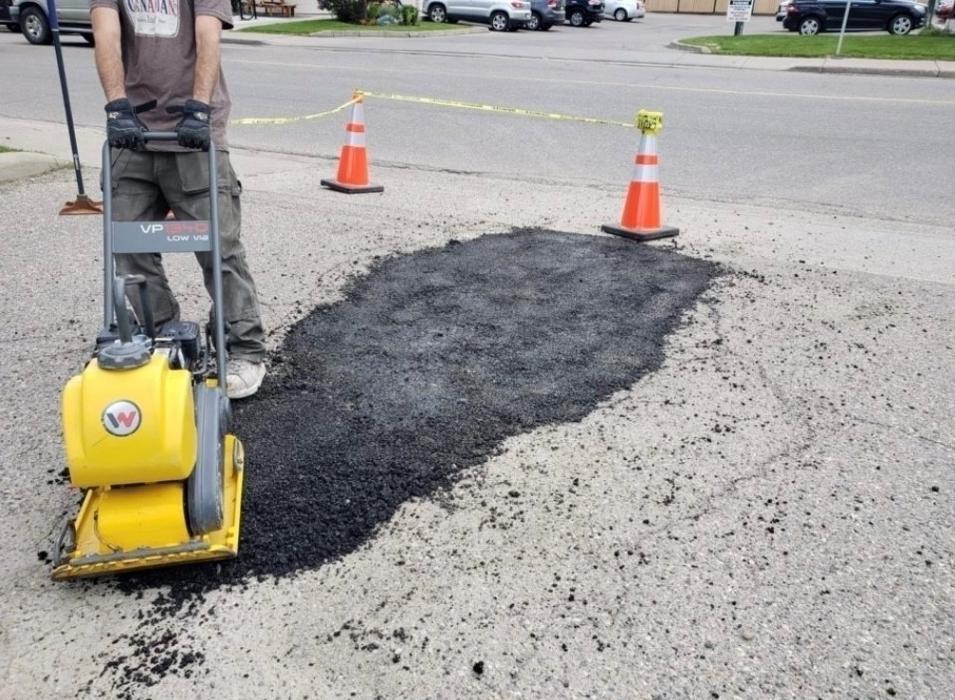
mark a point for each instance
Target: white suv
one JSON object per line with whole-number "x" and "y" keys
{"x": 34, "y": 20}
{"x": 500, "y": 14}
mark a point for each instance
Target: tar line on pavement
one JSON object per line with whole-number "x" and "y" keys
{"x": 430, "y": 361}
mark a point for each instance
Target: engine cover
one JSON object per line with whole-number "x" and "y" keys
{"x": 131, "y": 426}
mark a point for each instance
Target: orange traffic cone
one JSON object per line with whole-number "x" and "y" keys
{"x": 641, "y": 218}
{"x": 353, "y": 162}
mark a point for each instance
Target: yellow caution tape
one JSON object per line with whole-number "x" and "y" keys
{"x": 517, "y": 111}
{"x": 276, "y": 121}
{"x": 436, "y": 102}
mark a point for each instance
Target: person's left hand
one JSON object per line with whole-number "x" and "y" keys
{"x": 193, "y": 128}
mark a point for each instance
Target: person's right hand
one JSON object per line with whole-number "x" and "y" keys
{"x": 123, "y": 128}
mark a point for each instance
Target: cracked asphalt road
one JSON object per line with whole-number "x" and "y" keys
{"x": 767, "y": 512}
{"x": 758, "y": 501}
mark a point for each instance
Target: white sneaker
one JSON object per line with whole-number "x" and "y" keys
{"x": 245, "y": 378}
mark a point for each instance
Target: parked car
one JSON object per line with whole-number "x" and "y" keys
{"x": 945, "y": 11}
{"x": 809, "y": 17}
{"x": 625, "y": 10}
{"x": 33, "y": 18}
{"x": 5, "y": 17}
{"x": 545, "y": 14}
{"x": 501, "y": 15}
{"x": 583, "y": 13}
{"x": 783, "y": 9}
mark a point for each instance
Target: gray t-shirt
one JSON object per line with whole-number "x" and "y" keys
{"x": 159, "y": 56}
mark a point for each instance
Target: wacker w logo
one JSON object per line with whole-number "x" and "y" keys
{"x": 122, "y": 418}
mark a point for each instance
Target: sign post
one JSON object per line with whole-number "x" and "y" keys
{"x": 842, "y": 32}
{"x": 739, "y": 11}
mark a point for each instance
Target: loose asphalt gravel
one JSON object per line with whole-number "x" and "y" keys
{"x": 426, "y": 366}
{"x": 430, "y": 362}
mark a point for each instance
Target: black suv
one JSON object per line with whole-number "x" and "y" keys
{"x": 583, "y": 13}
{"x": 809, "y": 17}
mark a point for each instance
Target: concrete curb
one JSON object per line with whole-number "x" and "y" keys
{"x": 262, "y": 38}
{"x": 242, "y": 40}
{"x": 839, "y": 70}
{"x": 16, "y": 165}
{"x": 829, "y": 64}
{"x": 894, "y": 71}
{"x": 400, "y": 35}
{"x": 680, "y": 46}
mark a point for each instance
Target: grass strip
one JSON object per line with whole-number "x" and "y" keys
{"x": 912, "y": 47}
{"x": 313, "y": 26}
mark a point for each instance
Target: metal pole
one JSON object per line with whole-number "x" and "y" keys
{"x": 842, "y": 32}
{"x": 738, "y": 30}
{"x": 83, "y": 204}
{"x": 108, "y": 262}
{"x": 218, "y": 304}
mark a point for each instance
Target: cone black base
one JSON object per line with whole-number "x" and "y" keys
{"x": 351, "y": 189}
{"x": 642, "y": 235}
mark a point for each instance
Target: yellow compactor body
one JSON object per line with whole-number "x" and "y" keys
{"x": 132, "y": 443}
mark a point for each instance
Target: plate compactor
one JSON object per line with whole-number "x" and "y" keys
{"x": 146, "y": 423}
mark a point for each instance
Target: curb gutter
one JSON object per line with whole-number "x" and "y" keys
{"x": 830, "y": 64}
{"x": 262, "y": 38}
{"x": 16, "y": 165}
{"x": 692, "y": 48}
{"x": 402, "y": 35}
{"x": 900, "y": 72}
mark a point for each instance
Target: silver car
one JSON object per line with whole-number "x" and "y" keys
{"x": 500, "y": 15}
{"x": 33, "y": 18}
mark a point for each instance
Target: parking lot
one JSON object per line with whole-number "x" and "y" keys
{"x": 499, "y": 454}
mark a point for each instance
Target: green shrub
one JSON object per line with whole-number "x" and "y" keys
{"x": 351, "y": 11}
{"x": 409, "y": 14}
{"x": 373, "y": 11}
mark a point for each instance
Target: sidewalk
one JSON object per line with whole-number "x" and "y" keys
{"x": 263, "y": 20}
{"x": 237, "y": 36}
{"x": 829, "y": 64}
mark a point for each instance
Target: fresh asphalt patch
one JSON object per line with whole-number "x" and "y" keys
{"x": 430, "y": 361}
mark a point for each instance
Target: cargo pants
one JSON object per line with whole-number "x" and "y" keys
{"x": 148, "y": 184}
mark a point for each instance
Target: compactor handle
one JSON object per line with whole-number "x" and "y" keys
{"x": 161, "y": 136}
{"x": 113, "y": 301}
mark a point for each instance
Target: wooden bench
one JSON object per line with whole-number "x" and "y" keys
{"x": 271, "y": 8}
{"x": 278, "y": 8}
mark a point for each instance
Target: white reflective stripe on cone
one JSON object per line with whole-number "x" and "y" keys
{"x": 355, "y": 138}
{"x": 648, "y": 145}
{"x": 646, "y": 173}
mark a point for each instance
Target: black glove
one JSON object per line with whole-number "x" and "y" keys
{"x": 193, "y": 128}
{"x": 123, "y": 128}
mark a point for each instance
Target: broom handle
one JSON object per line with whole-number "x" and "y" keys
{"x": 55, "y": 29}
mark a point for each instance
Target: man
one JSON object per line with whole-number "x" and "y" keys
{"x": 167, "y": 51}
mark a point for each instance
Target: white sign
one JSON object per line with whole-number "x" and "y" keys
{"x": 739, "y": 11}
